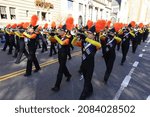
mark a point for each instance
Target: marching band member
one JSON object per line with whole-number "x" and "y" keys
{"x": 109, "y": 42}
{"x": 32, "y": 46}
{"x": 90, "y": 47}
{"x": 62, "y": 53}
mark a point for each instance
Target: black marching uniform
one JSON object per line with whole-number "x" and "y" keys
{"x": 53, "y": 43}
{"x": 134, "y": 41}
{"x": 44, "y": 42}
{"x": 32, "y": 46}
{"x": 125, "y": 44}
{"x": 22, "y": 49}
{"x": 7, "y": 43}
{"x": 109, "y": 54}
{"x": 62, "y": 58}
{"x": 87, "y": 65}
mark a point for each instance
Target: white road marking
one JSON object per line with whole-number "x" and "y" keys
{"x": 135, "y": 64}
{"x": 126, "y": 81}
{"x": 140, "y": 55}
{"x": 143, "y": 50}
{"x": 148, "y": 98}
{"x": 145, "y": 46}
{"x": 118, "y": 93}
{"x": 131, "y": 71}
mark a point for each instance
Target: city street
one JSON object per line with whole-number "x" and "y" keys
{"x": 128, "y": 82}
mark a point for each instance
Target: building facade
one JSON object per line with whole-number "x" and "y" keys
{"x": 115, "y": 11}
{"x": 135, "y": 10}
{"x": 14, "y": 11}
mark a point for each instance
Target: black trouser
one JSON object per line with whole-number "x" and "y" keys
{"x": 38, "y": 43}
{"x": 87, "y": 68}
{"x": 52, "y": 49}
{"x": 140, "y": 39}
{"x": 125, "y": 49}
{"x": 32, "y": 59}
{"x": 11, "y": 45}
{"x": 22, "y": 50}
{"x": 145, "y": 35}
{"x": 6, "y": 43}
{"x": 69, "y": 54}
{"x": 17, "y": 47}
{"x": 118, "y": 46}
{"x": 109, "y": 58}
{"x": 134, "y": 45}
{"x": 44, "y": 45}
{"x": 62, "y": 58}
{"x": 71, "y": 46}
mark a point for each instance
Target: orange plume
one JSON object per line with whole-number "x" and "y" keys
{"x": 69, "y": 23}
{"x": 20, "y": 25}
{"x": 8, "y": 26}
{"x": 89, "y": 24}
{"x": 53, "y": 24}
{"x": 100, "y": 25}
{"x": 34, "y": 20}
{"x": 45, "y": 26}
{"x": 14, "y": 26}
{"x": 118, "y": 26}
{"x": 26, "y": 25}
{"x": 108, "y": 23}
{"x": 133, "y": 24}
{"x": 60, "y": 25}
{"x": 141, "y": 25}
{"x": 40, "y": 27}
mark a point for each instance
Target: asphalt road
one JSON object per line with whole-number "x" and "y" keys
{"x": 128, "y": 82}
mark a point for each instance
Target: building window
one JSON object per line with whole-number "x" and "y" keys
{"x": 80, "y": 7}
{"x": 96, "y": 10}
{"x": 70, "y": 5}
{"x": 12, "y": 13}
{"x": 38, "y": 13}
{"x": 85, "y": 16}
{"x": 101, "y": 10}
{"x": 3, "y": 14}
{"x": 80, "y": 21}
{"x": 43, "y": 16}
{"x": 27, "y": 13}
{"x": 90, "y": 12}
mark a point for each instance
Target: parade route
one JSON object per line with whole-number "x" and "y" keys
{"x": 133, "y": 76}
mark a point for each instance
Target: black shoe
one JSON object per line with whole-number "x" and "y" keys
{"x": 121, "y": 64}
{"x": 3, "y": 50}
{"x": 14, "y": 56}
{"x": 17, "y": 62}
{"x": 68, "y": 78}
{"x": 26, "y": 75}
{"x": 69, "y": 58}
{"x": 105, "y": 82}
{"x": 80, "y": 72}
{"x": 42, "y": 51}
{"x": 50, "y": 55}
{"x": 84, "y": 96}
{"x": 55, "y": 89}
{"x": 36, "y": 70}
{"x": 9, "y": 53}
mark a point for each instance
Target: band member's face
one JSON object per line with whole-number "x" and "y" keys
{"x": 61, "y": 32}
{"x": 90, "y": 35}
{"x": 30, "y": 30}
